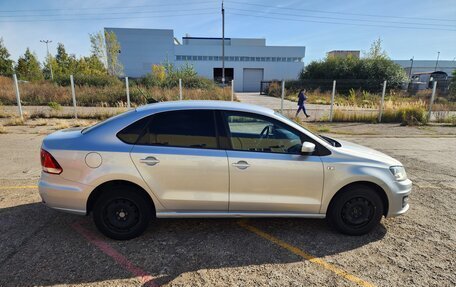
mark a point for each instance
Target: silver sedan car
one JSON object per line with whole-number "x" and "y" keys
{"x": 215, "y": 159}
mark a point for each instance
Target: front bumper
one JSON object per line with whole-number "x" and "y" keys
{"x": 62, "y": 194}
{"x": 397, "y": 203}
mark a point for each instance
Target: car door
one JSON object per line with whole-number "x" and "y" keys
{"x": 178, "y": 157}
{"x": 267, "y": 171}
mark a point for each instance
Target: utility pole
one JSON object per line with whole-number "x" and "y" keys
{"x": 223, "y": 45}
{"x": 49, "y": 57}
{"x": 437, "y": 62}
{"x": 411, "y": 67}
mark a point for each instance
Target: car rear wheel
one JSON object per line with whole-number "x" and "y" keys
{"x": 122, "y": 213}
{"x": 356, "y": 210}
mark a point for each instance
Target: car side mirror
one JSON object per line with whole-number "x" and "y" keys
{"x": 307, "y": 148}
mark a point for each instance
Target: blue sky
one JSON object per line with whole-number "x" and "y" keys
{"x": 321, "y": 26}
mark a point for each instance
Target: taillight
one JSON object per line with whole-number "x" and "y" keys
{"x": 49, "y": 164}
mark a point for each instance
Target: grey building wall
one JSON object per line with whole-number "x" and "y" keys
{"x": 142, "y": 48}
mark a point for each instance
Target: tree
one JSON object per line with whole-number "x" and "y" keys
{"x": 376, "y": 51}
{"x": 6, "y": 64}
{"x": 28, "y": 68}
{"x": 452, "y": 96}
{"x": 106, "y": 48}
{"x": 90, "y": 66}
{"x": 372, "y": 70}
{"x": 65, "y": 65}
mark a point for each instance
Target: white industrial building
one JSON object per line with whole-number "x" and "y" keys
{"x": 247, "y": 60}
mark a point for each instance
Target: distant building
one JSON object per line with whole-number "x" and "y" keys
{"x": 247, "y": 60}
{"x": 420, "y": 66}
{"x": 344, "y": 53}
{"x": 425, "y": 80}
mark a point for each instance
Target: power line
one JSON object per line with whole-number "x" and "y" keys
{"x": 348, "y": 19}
{"x": 111, "y": 13}
{"x": 104, "y": 18}
{"x": 340, "y": 23}
{"x": 341, "y": 13}
{"x": 105, "y": 7}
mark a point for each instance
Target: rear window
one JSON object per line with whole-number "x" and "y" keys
{"x": 186, "y": 128}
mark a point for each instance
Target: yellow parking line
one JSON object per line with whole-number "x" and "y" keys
{"x": 340, "y": 272}
{"x": 19, "y": 187}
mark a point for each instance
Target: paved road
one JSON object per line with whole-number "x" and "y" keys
{"x": 39, "y": 246}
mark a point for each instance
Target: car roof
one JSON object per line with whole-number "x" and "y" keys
{"x": 213, "y": 105}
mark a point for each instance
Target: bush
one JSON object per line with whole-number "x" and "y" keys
{"x": 413, "y": 116}
{"x": 274, "y": 89}
{"x": 55, "y": 106}
{"x": 167, "y": 76}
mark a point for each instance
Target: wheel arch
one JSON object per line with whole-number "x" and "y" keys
{"x": 104, "y": 187}
{"x": 378, "y": 189}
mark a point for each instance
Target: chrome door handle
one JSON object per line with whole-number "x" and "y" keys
{"x": 242, "y": 164}
{"x": 150, "y": 160}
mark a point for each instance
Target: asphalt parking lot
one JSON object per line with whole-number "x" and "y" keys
{"x": 39, "y": 246}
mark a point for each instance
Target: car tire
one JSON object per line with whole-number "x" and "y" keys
{"x": 356, "y": 210}
{"x": 122, "y": 213}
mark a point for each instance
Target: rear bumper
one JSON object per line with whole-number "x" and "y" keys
{"x": 64, "y": 195}
{"x": 398, "y": 204}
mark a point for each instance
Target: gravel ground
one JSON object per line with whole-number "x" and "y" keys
{"x": 39, "y": 246}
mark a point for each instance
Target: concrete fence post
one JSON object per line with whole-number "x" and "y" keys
{"x": 434, "y": 87}
{"x": 180, "y": 89}
{"x": 232, "y": 90}
{"x": 74, "y": 97}
{"x": 127, "y": 87}
{"x": 18, "y": 97}
{"x": 282, "y": 97}
{"x": 331, "y": 111}
{"x": 380, "y": 112}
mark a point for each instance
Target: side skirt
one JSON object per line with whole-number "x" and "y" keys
{"x": 178, "y": 214}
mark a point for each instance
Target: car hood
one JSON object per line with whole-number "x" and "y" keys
{"x": 360, "y": 151}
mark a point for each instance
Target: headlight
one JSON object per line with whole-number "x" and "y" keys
{"x": 398, "y": 172}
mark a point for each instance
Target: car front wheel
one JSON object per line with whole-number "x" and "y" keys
{"x": 356, "y": 210}
{"x": 122, "y": 213}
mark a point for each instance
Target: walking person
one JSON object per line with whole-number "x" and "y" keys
{"x": 301, "y": 99}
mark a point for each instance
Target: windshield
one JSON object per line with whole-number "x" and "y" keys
{"x": 99, "y": 124}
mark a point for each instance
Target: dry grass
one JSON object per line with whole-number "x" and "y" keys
{"x": 43, "y": 93}
{"x": 406, "y": 113}
{"x": 39, "y": 123}
{"x": 3, "y": 130}
{"x": 61, "y": 124}
{"x": 15, "y": 122}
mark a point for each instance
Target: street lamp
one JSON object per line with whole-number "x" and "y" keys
{"x": 49, "y": 57}
{"x": 437, "y": 61}
{"x": 411, "y": 67}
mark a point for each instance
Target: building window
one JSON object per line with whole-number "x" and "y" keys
{"x": 268, "y": 59}
{"x": 204, "y": 58}
{"x": 194, "y": 58}
{"x": 210, "y": 58}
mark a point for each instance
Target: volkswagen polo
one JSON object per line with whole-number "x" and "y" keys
{"x": 215, "y": 159}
